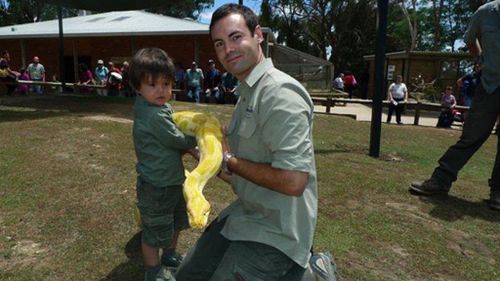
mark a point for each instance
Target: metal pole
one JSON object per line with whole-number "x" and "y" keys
{"x": 62, "y": 72}
{"x": 240, "y": 2}
{"x": 379, "y": 79}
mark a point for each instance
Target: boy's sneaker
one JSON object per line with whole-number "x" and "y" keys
{"x": 494, "y": 202}
{"x": 163, "y": 275}
{"x": 323, "y": 267}
{"x": 428, "y": 188}
{"x": 173, "y": 260}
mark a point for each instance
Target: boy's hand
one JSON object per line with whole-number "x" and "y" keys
{"x": 194, "y": 152}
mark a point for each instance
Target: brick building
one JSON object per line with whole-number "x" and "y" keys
{"x": 112, "y": 36}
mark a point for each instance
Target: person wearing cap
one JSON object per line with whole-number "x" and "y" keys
{"x": 213, "y": 76}
{"x": 194, "y": 82}
{"x": 101, "y": 75}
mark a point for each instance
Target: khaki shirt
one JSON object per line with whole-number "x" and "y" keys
{"x": 272, "y": 123}
{"x": 485, "y": 26}
{"x": 158, "y": 144}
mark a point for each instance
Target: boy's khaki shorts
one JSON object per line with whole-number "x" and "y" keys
{"x": 163, "y": 210}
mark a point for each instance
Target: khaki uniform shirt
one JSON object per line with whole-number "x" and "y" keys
{"x": 272, "y": 123}
{"x": 159, "y": 144}
{"x": 485, "y": 26}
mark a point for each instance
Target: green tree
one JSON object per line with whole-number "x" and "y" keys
{"x": 403, "y": 25}
{"x": 25, "y": 11}
{"x": 455, "y": 20}
{"x": 182, "y": 9}
{"x": 317, "y": 26}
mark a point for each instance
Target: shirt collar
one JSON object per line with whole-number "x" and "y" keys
{"x": 259, "y": 71}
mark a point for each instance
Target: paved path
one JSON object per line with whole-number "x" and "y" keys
{"x": 362, "y": 112}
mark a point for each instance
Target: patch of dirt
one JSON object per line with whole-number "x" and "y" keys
{"x": 24, "y": 253}
{"x": 393, "y": 157}
{"x": 470, "y": 247}
{"x": 462, "y": 243}
{"x": 108, "y": 118}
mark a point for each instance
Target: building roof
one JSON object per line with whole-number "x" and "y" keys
{"x": 123, "y": 23}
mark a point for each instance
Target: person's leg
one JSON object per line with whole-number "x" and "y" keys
{"x": 477, "y": 128}
{"x": 156, "y": 206}
{"x": 494, "y": 181}
{"x": 39, "y": 88}
{"x": 219, "y": 96}
{"x": 252, "y": 261}
{"x": 150, "y": 255}
{"x": 204, "y": 258}
{"x": 170, "y": 258}
{"x": 197, "y": 92}
{"x": 389, "y": 113}
{"x": 190, "y": 92}
{"x": 11, "y": 86}
{"x": 399, "y": 110}
{"x": 207, "y": 95}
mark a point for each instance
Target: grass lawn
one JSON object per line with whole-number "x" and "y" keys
{"x": 67, "y": 193}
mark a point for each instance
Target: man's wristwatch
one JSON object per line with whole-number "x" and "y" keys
{"x": 225, "y": 158}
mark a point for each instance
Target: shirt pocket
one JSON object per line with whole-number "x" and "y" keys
{"x": 247, "y": 126}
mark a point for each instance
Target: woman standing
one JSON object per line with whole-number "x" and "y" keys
{"x": 397, "y": 96}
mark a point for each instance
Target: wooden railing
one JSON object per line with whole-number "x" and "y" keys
{"x": 329, "y": 101}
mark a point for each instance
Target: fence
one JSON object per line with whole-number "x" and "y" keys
{"x": 330, "y": 101}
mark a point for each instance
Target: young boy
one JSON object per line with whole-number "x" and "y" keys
{"x": 159, "y": 146}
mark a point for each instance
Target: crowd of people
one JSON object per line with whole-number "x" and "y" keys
{"x": 209, "y": 86}
{"x": 113, "y": 81}
{"x": 193, "y": 83}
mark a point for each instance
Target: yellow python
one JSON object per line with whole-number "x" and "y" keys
{"x": 207, "y": 131}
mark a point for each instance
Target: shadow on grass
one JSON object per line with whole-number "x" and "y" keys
{"x": 451, "y": 208}
{"x": 12, "y": 116}
{"x": 20, "y": 108}
{"x": 342, "y": 149}
{"x": 328, "y": 151}
{"x": 132, "y": 269}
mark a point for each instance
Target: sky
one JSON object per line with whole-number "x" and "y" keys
{"x": 207, "y": 14}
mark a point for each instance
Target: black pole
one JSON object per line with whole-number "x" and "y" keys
{"x": 62, "y": 72}
{"x": 240, "y": 2}
{"x": 379, "y": 79}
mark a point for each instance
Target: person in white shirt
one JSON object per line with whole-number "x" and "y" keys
{"x": 397, "y": 96}
{"x": 338, "y": 83}
{"x": 36, "y": 72}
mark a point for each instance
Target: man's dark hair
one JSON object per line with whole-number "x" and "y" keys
{"x": 228, "y": 9}
{"x": 150, "y": 61}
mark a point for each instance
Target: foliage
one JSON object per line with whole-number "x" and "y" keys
{"x": 182, "y": 9}
{"x": 348, "y": 27}
{"x": 26, "y": 11}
